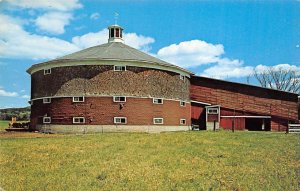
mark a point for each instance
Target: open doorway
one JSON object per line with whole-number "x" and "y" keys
{"x": 258, "y": 124}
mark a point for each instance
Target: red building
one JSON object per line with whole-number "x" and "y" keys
{"x": 114, "y": 87}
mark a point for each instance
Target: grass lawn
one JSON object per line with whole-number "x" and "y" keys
{"x": 166, "y": 161}
{"x": 3, "y": 125}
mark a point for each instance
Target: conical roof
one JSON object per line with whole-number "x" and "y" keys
{"x": 112, "y": 51}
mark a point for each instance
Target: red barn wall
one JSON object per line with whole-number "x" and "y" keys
{"x": 242, "y": 99}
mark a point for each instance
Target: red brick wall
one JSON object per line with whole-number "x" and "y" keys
{"x": 101, "y": 110}
{"x": 247, "y": 100}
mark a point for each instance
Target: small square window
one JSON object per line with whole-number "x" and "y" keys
{"x": 212, "y": 110}
{"x": 78, "y": 120}
{"x": 119, "y": 99}
{"x": 47, "y": 100}
{"x": 182, "y": 121}
{"x": 119, "y": 68}
{"x": 157, "y": 100}
{"x": 182, "y": 103}
{"x": 120, "y": 120}
{"x": 78, "y": 99}
{"x": 47, "y": 71}
{"x": 158, "y": 120}
{"x": 46, "y": 119}
{"x": 182, "y": 77}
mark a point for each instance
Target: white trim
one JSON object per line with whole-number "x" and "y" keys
{"x": 161, "y": 99}
{"x": 75, "y": 101}
{"x": 182, "y": 103}
{"x": 74, "y": 118}
{"x": 47, "y": 100}
{"x": 116, "y": 118}
{"x": 245, "y": 116}
{"x": 212, "y": 106}
{"x": 139, "y": 97}
{"x": 46, "y": 118}
{"x": 114, "y": 99}
{"x": 125, "y": 69}
{"x": 182, "y": 120}
{"x": 158, "y": 118}
{"x": 199, "y": 102}
{"x": 209, "y": 110}
{"x": 136, "y": 63}
{"x": 47, "y": 71}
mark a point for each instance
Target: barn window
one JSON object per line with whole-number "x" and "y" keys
{"x": 46, "y": 119}
{"x": 212, "y": 110}
{"x": 47, "y": 100}
{"x": 182, "y": 103}
{"x": 120, "y": 120}
{"x": 119, "y": 68}
{"x": 158, "y": 120}
{"x": 182, "y": 121}
{"x": 157, "y": 100}
{"x": 119, "y": 99}
{"x": 78, "y": 99}
{"x": 181, "y": 77}
{"x": 78, "y": 120}
{"x": 47, "y": 71}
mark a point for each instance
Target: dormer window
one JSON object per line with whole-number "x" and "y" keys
{"x": 119, "y": 68}
{"x": 47, "y": 71}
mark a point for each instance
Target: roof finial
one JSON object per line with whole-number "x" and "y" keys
{"x": 116, "y": 17}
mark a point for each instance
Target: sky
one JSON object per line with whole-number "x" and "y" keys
{"x": 224, "y": 39}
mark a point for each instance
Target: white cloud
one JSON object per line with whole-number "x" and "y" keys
{"x": 132, "y": 39}
{"x": 61, "y": 5}
{"x": 15, "y": 42}
{"x": 25, "y": 96}
{"x": 262, "y": 68}
{"x": 95, "y": 16}
{"x": 189, "y": 54}
{"x": 7, "y": 94}
{"x": 53, "y": 22}
{"x": 226, "y": 68}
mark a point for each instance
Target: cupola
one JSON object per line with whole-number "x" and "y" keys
{"x": 115, "y": 33}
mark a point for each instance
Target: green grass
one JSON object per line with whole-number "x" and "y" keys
{"x": 3, "y": 125}
{"x": 167, "y": 161}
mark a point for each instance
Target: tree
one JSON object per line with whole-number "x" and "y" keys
{"x": 279, "y": 79}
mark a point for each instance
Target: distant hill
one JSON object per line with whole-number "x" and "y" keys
{"x": 22, "y": 114}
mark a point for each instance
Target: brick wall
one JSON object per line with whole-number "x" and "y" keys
{"x": 101, "y": 110}
{"x": 102, "y": 80}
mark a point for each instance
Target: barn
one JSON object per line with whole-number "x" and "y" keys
{"x": 113, "y": 87}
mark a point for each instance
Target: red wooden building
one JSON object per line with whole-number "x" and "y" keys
{"x": 218, "y": 103}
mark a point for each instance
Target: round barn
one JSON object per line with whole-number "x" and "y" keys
{"x": 114, "y": 87}
{"x": 110, "y": 87}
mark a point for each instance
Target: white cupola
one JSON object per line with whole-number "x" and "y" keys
{"x": 115, "y": 33}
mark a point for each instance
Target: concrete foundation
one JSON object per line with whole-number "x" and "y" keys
{"x": 108, "y": 128}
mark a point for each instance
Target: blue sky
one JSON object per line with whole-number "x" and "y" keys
{"x": 219, "y": 39}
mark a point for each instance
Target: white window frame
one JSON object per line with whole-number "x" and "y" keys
{"x": 74, "y": 99}
{"x": 47, "y": 71}
{"x": 122, "y": 68}
{"x": 182, "y": 103}
{"x": 181, "y": 121}
{"x": 120, "y": 118}
{"x": 181, "y": 77}
{"x": 158, "y": 118}
{"x": 47, "y": 100}
{"x": 115, "y": 99}
{"x": 78, "y": 122}
{"x": 156, "y": 100}
{"x": 212, "y": 110}
{"x": 45, "y": 120}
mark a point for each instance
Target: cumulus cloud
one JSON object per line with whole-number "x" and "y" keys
{"x": 65, "y": 5}
{"x": 132, "y": 39}
{"x": 262, "y": 68}
{"x": 53, "y": 22}
{"x": 15, "y": 42}
{"x": 189, "y": 54}
{"x": 95, "y": 16}
{"x": 4, "y": 93}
